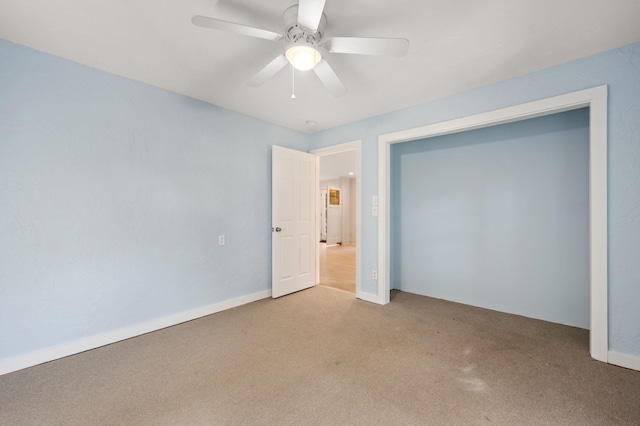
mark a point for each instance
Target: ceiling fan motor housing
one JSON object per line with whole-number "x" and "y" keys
{"x": 294, "y": 32}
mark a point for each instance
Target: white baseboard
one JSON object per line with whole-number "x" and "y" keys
{"x": 623, "y": 360}
{"x": 57, "y": 352}
{"x": 368, "y": 297}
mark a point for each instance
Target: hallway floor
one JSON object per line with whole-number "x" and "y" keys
{"x": 338, "y": 267}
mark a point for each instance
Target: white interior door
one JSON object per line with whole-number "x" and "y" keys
{"x": 293, "y": 220}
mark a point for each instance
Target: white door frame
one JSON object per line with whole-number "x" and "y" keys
{"x": 596, "y": 100}
{"x": 335, "y": 149}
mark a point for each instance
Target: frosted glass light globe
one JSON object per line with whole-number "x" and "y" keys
{"x": 303, "y": 57}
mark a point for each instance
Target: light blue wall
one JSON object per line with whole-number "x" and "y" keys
{"x": 620, "y": 70}
{"x": 497, "y": 217}
{"x": 116, "y": 193}
{"x": 112, "y": 197}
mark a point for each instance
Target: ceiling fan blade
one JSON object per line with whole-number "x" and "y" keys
{"x": 268, "y": 71}
{"x": 329, "y": 78}
{"x": 310, "y": 13}
{"x": 369, "y": 46}
{"x": 217, "y": 24}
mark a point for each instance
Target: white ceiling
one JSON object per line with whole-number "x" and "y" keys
{"x": 455, "y": 45}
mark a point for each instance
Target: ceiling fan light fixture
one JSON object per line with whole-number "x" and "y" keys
{"x": 303, "y": 56}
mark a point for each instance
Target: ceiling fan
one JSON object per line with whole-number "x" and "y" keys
{"x": 304, "y": 30}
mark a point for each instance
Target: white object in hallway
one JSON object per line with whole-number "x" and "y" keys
{"x": 323, "y": 214}
{"x": 334, "y": 216}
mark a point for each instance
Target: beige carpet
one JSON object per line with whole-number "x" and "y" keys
{"x": 322, "y": 357}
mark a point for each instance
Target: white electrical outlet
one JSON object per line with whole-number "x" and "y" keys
{"x": 374, "y": 274}
{"x": 374, "y": 211}
{"x": 374, "y": 200}
{"x": 221, "y": 240}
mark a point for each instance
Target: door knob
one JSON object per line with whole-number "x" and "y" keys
{"x": 277, "y": 229}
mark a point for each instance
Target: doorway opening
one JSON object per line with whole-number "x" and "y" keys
{"x": 596, "y": 100}
{"x": 338, "y": 191}
{"x": 497, "y": 217}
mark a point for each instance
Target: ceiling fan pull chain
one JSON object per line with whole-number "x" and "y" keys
{"x": 293, "y": 83}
